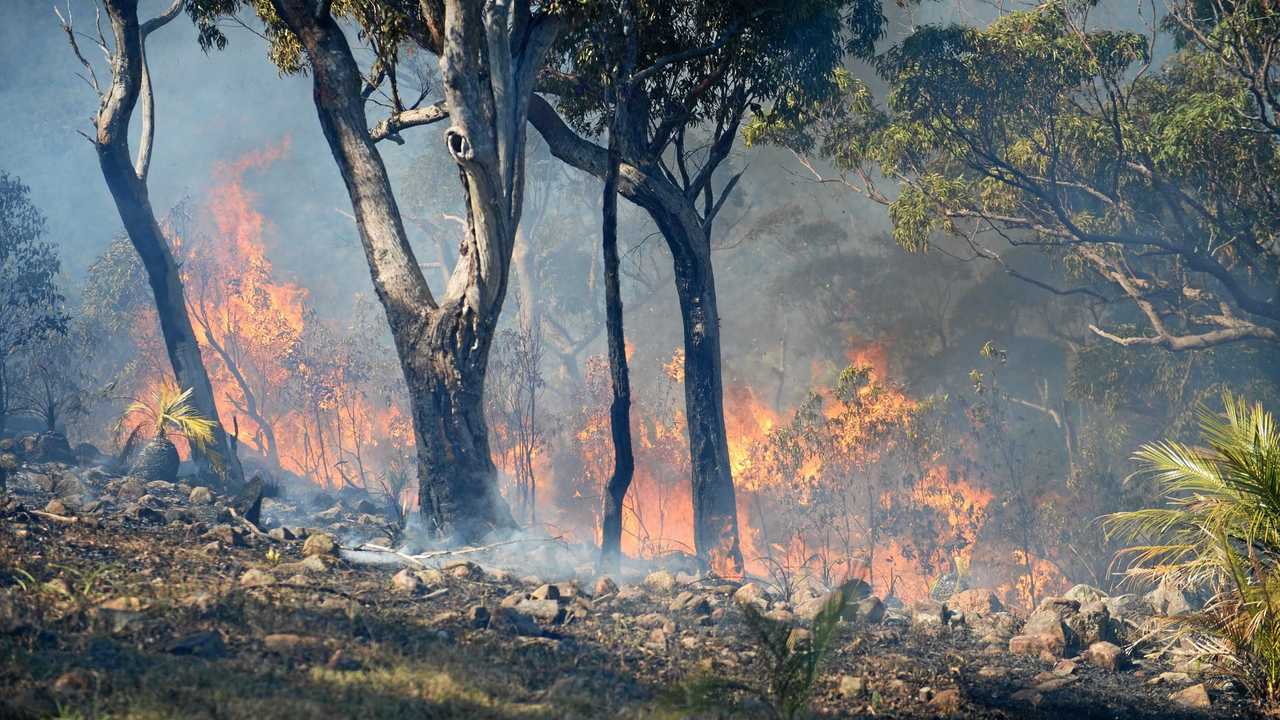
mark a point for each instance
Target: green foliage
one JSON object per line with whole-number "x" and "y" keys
{"x": 1219, "y": 530}
{"x": 792, "y": 658}
{"x": 169, "y": 411}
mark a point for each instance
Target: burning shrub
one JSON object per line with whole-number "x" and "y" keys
{"x": 1219, "y": 530}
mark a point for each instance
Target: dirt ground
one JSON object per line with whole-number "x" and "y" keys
{"x": 131, "y": 610}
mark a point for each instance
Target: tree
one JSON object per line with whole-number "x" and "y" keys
{"x": 700, "y": 68}
{"x": 30, "y": 302}
{"x": 126, "y": 178}
{"x": 489, "y": 56}
{"x": 1152, "y": 187}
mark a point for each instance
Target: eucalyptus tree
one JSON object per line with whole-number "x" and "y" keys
{"x": 126, "y": 177}
{"x": 1150, "y": 189}
{"x": 489, "y": 54}
{"x": 701, "y": 67}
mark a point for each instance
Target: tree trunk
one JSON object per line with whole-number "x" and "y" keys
{"x": 714, "y": 504}
{"x": 129, "y": 191}
{"x": 619, "y": 374}
{"x": 443, "y": 348}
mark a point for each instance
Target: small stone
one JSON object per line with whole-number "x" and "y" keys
{"x": 300, "y": 647}
{"x": 630, "y": 594}
{"x": 545, "y": 592}
{"x": 852, "y": 686}
{"x": 464, "y": 571}
{"x": 660, "y": 581}
{"x": 547, "y": 611}
{"x": 430, "y": 577}
{"x": 280, "y": 534}
{"x": 657, "y": 639}
{"x": 1170, "y": 678}
{"x": 1105, "y": 655}
{"x": 1052, "y": 683}
{"x": 478, "y": 616}
{"x": 206, "y": 644}
{"x": 991, "y": 672}
{"x": 947, "y": 702}
{"x": 605, "y": 586}
{"x": 513, "y": 622}
{"x": 1196, "y": 696}
{"x": 1036, "y": 644}
{"x": 406, "y": 582}
{"x": 1027, "y": 696}
{"x": 74, "y": 682}
{"x": 256, "y": 578}
{"x": 319, "y": 544}
{"x": 751, "y": 594}
{"x": 870, "y": 609}
{"x": 1064, "y": 668}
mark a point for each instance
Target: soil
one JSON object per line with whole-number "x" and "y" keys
{"x": 148, "y": 608}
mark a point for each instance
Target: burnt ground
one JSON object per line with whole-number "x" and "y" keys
{"x": 135, "y": 614}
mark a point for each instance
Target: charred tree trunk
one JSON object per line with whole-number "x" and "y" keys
{"x": 619, "y": 374}
{"x": 128, "y": 185}
{"x": 714, "y": 503}
{"x": 443, "y": 347}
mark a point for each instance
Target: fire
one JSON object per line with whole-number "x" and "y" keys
{"x": 293, "y": 389}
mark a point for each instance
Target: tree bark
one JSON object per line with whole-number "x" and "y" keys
{"x": 714, "y": 504}
{"x": 619, "y": 373}
{"x": 128, "y": 187}
{"x": 443, "y": 347}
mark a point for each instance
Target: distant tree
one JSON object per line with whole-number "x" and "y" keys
{"x": 1152, "y": 190}
{"x": 30, "y": 302}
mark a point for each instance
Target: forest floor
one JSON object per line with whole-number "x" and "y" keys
{"x": 146, "y": 606}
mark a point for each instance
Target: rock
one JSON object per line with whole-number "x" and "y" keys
{"x": 1170, "y": 678}
{"x": 785, "y": 617}
{"x": 248, "y": 502}
{"x": 431, "y": 577}
{"x": 545, "y": 592}
{"x": 478, "y": 616}
{"x": 52, "y": 447}
{"x": 280, "y": 534}
{"x": 1084, "y": 594}
{"x": 630, "y": 594}
{"x": 604, "y": 586}
{"x": 1027, "y": 696}
{"x": 1063, "y": 668}
{"x": 657, "y": 639}
{"x": 406, "y": 582}
{"x": 751, "y": 594}
{"x": 1105, "y": 655}
{"x": 1168, "y": 600}
{"x": 652, "y": 619}
{"x": 256, "y": 578}
{"x": 1196, "y": 696}
{"x": 947, "y": 702}
{"x": 1052, "y": 683}
{"x": 56, "y": 507}
{"x": 131, "y": 489}
{"x": 799, "y": 639}
{"x": 224, "y": 534}
{"x": 1128, "y": 605}
{"x": 513, "y": 622}
{"x": 660, "y": 581}
{"x": 1036, "y": 644}
{"x": 1048, "y": 624}
{"x": 122, "y": 612}
{"x": 975, "y": 603}
{"x": 206, "y": 644}
{"x": 200, "y": 496}
{"x": 1091, "y": 624}
{"x": 319, "y": 544}
{"x": 870, "y": 609}
{"x": 298, "y": 647}
{"x": 74, "y": 682}
{"x": 86, "y": 453}
{"x": 546, "y": 611}
{"x": 464, "y": 570}
{"x": 851, "y": 686}
{"x": 928, "y": 612}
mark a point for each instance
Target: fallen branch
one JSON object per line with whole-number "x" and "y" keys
{"x": 252, "y": 528}
{"x": 419, "y": 560}
{"x": 64, "y": 519}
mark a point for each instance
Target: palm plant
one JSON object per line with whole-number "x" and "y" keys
{"x": 1219, "y": 531}
{"x": 167, "y": 413}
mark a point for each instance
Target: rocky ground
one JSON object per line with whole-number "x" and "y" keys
{"x": 126, "y": 598}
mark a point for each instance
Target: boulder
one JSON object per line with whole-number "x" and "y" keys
{"x": 319, "y": 544}
{"x": 751, "y": 594}
{"x": 52, "y": 447}
{"x": 513, "y": 622}
{"x": 870, "y": 610}
{"x": 1105, "y": 655}
{"x": 975, "y": 603}
{"x": 660, "y": 581}
{"x": 1196, "y": 696}
{"x": 1091, "y": 624}
{"x": 928, "y": 613}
